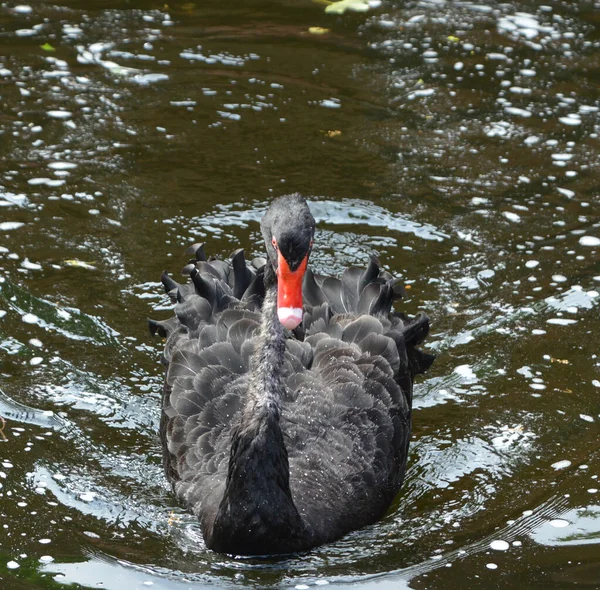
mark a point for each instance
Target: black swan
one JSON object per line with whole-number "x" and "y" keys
{"x": 287, "y": 396}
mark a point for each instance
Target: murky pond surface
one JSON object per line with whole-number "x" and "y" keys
{"x": 456, "y": 140}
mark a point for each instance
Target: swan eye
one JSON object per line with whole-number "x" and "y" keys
{"x": 274, "y": 242}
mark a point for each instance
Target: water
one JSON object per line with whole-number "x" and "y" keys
{"x": 456, "y": 140}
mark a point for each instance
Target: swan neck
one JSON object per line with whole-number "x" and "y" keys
{"x": 257, "y": 514}
{"x": 269, "y": 355}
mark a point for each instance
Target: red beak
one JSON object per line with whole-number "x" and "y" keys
{"x": 289, "y": 292}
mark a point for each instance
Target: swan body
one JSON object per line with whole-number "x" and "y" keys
{"x": 283, "y": 430}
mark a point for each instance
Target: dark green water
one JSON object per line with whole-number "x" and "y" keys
{"x": 458, "y": 141}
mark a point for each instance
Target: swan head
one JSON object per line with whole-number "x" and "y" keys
{"x": 288, "y": 228}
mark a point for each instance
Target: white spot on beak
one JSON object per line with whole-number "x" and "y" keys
{"x": 290, "y": 317}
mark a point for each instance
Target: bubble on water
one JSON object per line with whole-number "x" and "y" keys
{"x": 30, "y": 265}
{"x": 566, "y": 192}
{"x": 525, "y": 371}
{"x": 517, "y": 543}
{"x": 60, "y": 114}
{"x": 12, "y": 565}
{"x": 499, "y": 545}
{"x": 559, "y": 278}
{"x": 573, "y": 119}
{"x": 330, "y": 103}
{"x": 459, "y": 65}
{"x": 538, "y": 386}
{"x": 36, "y": 181}
{"x": 561, "y": 464}
{"x": 586, "y": 417}
{"x": 44, "y": 541}
{"x": 30, "y": 318}
{"x": 22, "y": 9}
{"x": 35, "y": 342}
{"x": 36, "y": 360}
{"x": 10, "y": 225}
{"x": 511, "y": 216}
{"x": 559, "y": 523}
{"x": 538, "y": 332}
{"x": 561, "y": 321}
{"x": 589, "y": 241}
{"x": 422, "y": 92}
{"x": 519, "y": 112}
{"x": 183, "y": 103}
{"x": 46, "y": 559}
{"x": 491, "y": 566}
{"x": 146, "y": 79}
{"x": 50, "y": 182}
{"x": 523, "y": 24}
{"x": 593, "y": 490}
{"x": 62, "y": 165}
{"x": 532, "y": 263}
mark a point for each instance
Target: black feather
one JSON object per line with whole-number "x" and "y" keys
{"x": 322, "y": 449}
{"x": 241, "y": 273}
{"x": 196, "y": 250}
{"x": 168, "y": 282}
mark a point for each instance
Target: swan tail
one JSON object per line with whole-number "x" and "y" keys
{"x": 358, "y": 291}
{"x": 213, "y": 286}
{"x": 155, "y": 328}
{"x": 170, "y": 286}
{"x": 413, "y": 333}
{"x": 311, "y": 292}
{"x": 242, "y": 275}
{"x": 358, "y": 297}
{"x": 197, "y": 251}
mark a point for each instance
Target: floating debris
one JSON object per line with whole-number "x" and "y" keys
{"x": 75, "y": 263}
{"x": 589, "y": 241}
{"x": 342, "y": 6}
